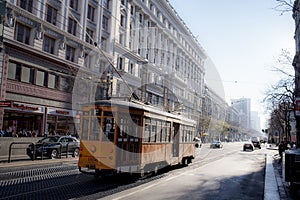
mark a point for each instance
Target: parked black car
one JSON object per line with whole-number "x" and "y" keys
{"x": 54, "y": 147}
{"x": 216, "y": 144}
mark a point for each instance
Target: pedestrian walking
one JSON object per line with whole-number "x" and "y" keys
{"x": 281, "y": 148}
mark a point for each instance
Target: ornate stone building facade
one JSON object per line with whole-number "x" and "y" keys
{"x": 55, "y": 51}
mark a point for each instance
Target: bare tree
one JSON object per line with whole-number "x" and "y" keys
{"x": 284, "y": 6}
{"x": 280, "y": 97}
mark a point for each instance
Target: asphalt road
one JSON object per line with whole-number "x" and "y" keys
{"x": 226, "y": 173}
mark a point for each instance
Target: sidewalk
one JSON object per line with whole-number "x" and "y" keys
{"x": 22, "y": 160}
{"x": 275, "y": 186}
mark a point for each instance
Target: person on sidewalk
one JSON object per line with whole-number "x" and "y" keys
{"x": 281, "y": 148}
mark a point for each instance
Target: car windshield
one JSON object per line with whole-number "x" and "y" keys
{"x": 49, "y": 139}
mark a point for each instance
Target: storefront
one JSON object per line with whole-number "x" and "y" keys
{"x": 60, "y": 121}
{"x": 26, "y": 120}
{"x": 23, "y": 120}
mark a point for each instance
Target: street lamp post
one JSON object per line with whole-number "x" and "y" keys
{"x": 107, "y": 81}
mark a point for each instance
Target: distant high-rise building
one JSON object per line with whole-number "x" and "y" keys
{"x": 255, "y": 121}
{"x": 243, "y": 106}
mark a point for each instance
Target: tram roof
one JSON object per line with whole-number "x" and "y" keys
{"x": 141, "y": 106}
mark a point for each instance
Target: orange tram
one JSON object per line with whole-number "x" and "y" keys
{"x": 127, "y": 137}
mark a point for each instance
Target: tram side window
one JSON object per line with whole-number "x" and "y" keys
{"x": 159, "y": 131}
{"x": 182, "y": 133}
{"x": 191, "y": 134}
{"x": 147, "y": 130}
{"x": 186, "y": 135}
{"x": 108, "y": 129}
{"x": 123, "y": 128}
{"x": 95, "y": 128}
{"x": 153, "y": 130}
{"x": 135, "y": 126}
{"x": 164, "y": 132}
{"x": 168, "y": 131}
{"x": 85, "y": 126}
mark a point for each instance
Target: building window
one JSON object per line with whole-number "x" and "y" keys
{"x": 52, "y": 81}
{"x": 65, "y": 84}
{"x": 74, "y": 4}
{"x": 120, "y": 63}
{"x": 70, "y": 53}
{"x": 106, "y": 4}
{"x": 91, "y": 13}
{"x": 72, "y": 26}
{"x": 48, "y": 44}
{"x": 26, "y": 5}
{"x": 131, "y": 68}
{"x": 103, "y": 43}
{"x": 51, "y": 15}
{"x": 122, "y": 21}
{"x": 89, "y": 36}
{"x": 141, "y": 18}
{"x": 22, "y": 33}
{"x": 14, "y": 71}
{"x": 41, "y": 78}
{"x": 132, "y": 10}
{"x": 121, "y": 38}
{"x": 105, "y": 23}
{"x": 27, "y": 75}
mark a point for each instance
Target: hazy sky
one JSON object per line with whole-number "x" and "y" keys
{"x": 243, "y": 38}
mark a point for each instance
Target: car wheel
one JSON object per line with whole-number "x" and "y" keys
{"x": 76, "y": 152}
{"x": 54, "y": 154}
{"x": 244, "y": 149}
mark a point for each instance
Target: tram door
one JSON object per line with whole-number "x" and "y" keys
{"x": 176, "y": 140}
{"x": 128, "y": 140}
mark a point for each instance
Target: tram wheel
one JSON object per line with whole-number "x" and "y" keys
{"x": 184, "y": 162}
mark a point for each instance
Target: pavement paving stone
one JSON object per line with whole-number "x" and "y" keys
{"x": 284, "y": 189}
